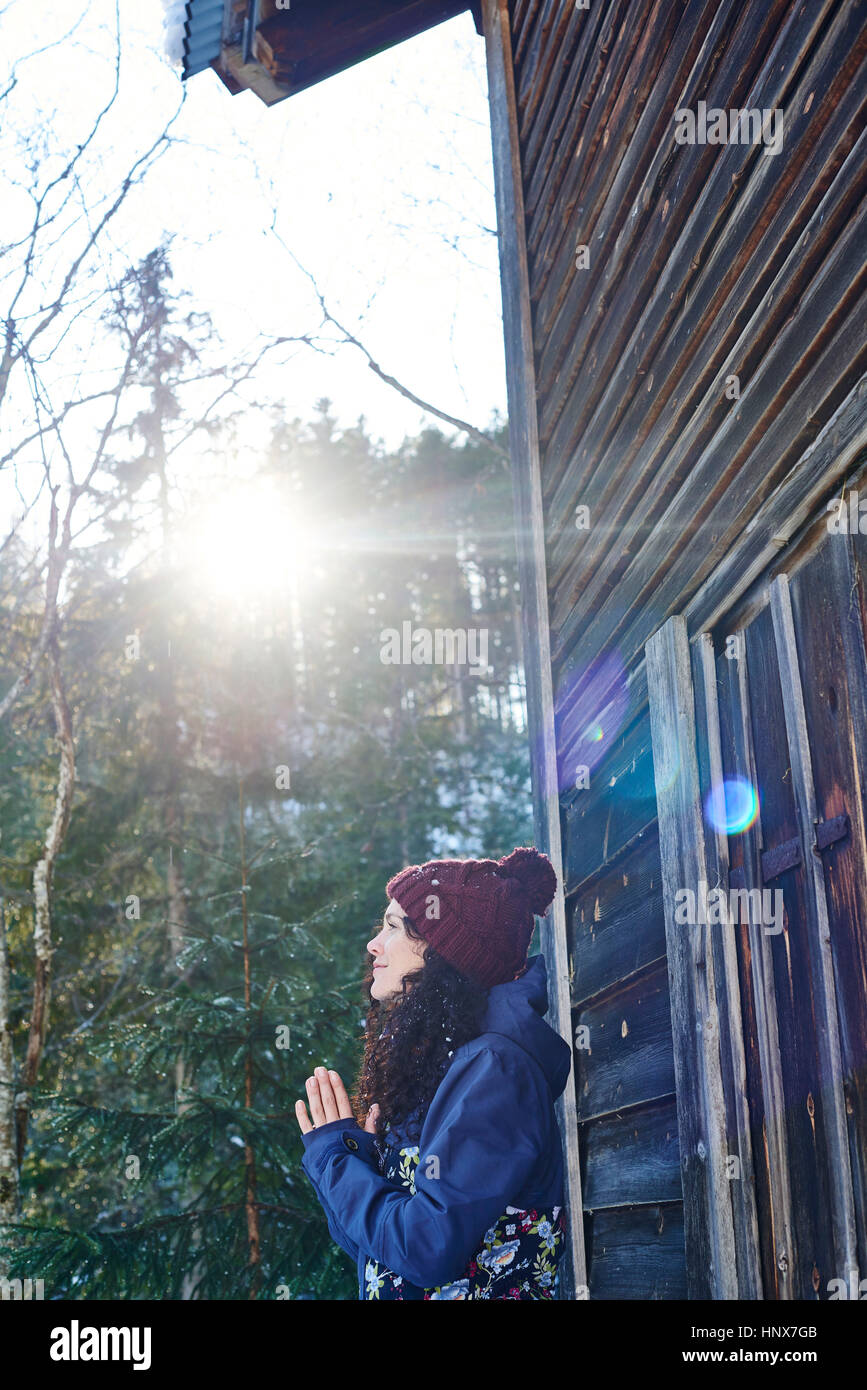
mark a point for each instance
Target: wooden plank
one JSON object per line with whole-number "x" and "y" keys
{"x": 825, "y": 1000}
{"x": 688, "y": 405}
{"x": 831, "y": 646}
{"x": 682, "y": 348}
{"x": 727, "y": 705}
{"x": 579, "y": 136}
{"x": 699, "y": 301}
{"x": 525, "y": 15}
{"x": 527, "y": 42}
{"x": 645, "y": 285}
{"x": 818, "y": 355}
{"x": 710, "y": 1238}
{"x": 804, "y": 1100}
{"x": 534, "y": 73}
{"x": 765, "y": 1083}
{"x": 591, "y": 180}
{"x": 597, "y": 198}
{"x": 836, "y": 457}
{"x": 617, "y": 808}
{"x": 556, "y": 183}
{"x": 617, "y": 925}
{"x": 637, "y": 1253}
{"x": 792, "y": 393}
{"x": 524, "y": 446}
{"x": 628, "y": 1056}
{"x": 726, "y": 982}
{"x": 547, "y": 108}
{"x": 732, "y": 64}
{"x": 822, "y": 468}
{"x": 858, "y": 483}
{"x": 632, "y": 1158}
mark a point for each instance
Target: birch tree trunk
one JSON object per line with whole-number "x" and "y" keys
{"x": 43, "y": 876}
{"x": 176, "y": 904}
{"x": 8, "y": 1160}
{"x": 251, "y": 1207}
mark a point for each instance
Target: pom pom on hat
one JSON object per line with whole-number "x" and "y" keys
{"x": 535, "y": 873}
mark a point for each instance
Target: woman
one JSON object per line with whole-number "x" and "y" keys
{"x": 453, "y": 1186}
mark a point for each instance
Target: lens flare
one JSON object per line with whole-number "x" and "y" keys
{"x": 595, "y": 707}
{"x": 732, "y": 806}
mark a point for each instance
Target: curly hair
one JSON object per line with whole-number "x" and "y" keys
{"x": 410, "y": 1037}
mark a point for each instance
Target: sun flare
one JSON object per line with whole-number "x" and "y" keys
{"x": 249, "y": 542}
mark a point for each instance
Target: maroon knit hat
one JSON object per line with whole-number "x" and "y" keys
{"x": 478, "y": 913}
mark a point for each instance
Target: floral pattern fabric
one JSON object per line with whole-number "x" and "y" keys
{"x": 519, "y": 1256}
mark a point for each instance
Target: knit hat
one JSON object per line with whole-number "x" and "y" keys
{"x": 478, "y": 913}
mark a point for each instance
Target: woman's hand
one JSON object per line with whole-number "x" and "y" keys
{"x": 328, "y": 1101}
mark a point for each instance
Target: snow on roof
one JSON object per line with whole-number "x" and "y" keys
{"x": 192, "y": 33}
{"x": 174, "y": 19}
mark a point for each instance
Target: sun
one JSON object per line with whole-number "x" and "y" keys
{"x": 249, "y": 542}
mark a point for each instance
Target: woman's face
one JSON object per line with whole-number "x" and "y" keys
{"x": 394, "y": 953}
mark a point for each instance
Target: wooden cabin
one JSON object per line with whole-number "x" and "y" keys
{"x": 683, "y": 239}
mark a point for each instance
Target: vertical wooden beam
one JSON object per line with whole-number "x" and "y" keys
{"x": 785, "y": 1255}
{"x": 529, "y": 521}
{"x": 843, "y": 1225}
{"x": 728, "y": 995}
{"x": 708, "y": 1223}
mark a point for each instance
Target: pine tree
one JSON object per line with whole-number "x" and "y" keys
{"x": 211, "y": 1188}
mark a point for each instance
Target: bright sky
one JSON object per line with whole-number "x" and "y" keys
{"x": 378, "y": 180}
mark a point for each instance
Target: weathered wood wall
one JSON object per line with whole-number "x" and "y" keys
{"x": 807, "y": 647}
{"x": 706, "y": 263}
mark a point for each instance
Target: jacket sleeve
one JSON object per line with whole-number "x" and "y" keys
{"x": 338, "y": 1235}
{"x": 479, "y": 1143}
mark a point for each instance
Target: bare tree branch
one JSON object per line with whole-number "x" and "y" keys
{"x": 57, "y": 556}
{"x": 19, "y": 345}
{"x": 472, "y": 430}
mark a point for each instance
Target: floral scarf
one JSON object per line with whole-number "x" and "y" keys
{"x": 518, "y": 1258}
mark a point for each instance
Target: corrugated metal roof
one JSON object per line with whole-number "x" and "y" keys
{"x": 202, "y": 34}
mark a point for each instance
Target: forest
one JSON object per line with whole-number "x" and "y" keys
{"x": 209, "y": 772}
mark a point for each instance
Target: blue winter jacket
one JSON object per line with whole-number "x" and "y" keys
{"x": 456, "y": 1215}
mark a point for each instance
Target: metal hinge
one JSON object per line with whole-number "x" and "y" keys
{"x": 788, "y": 855}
